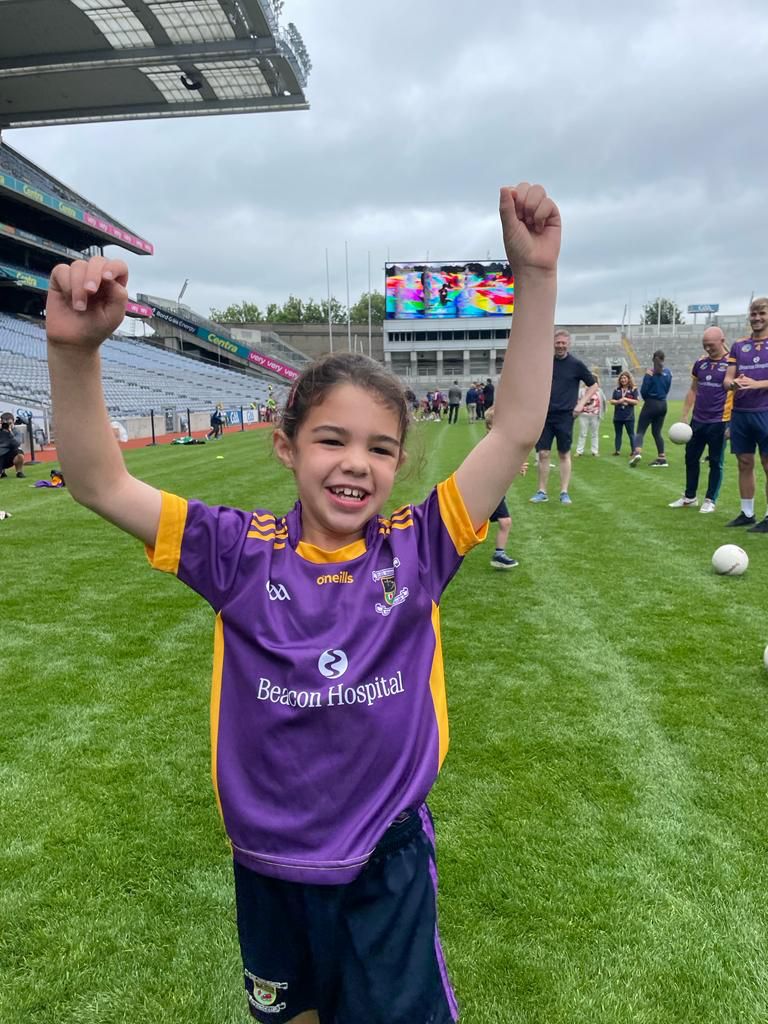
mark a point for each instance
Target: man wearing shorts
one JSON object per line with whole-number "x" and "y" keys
{"x": 564, "y": 405}
{"x": 11, "y": 455}
{"x": 747, "y": 378}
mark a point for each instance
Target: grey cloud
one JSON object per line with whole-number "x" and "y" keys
{"x": 645, "y": 121}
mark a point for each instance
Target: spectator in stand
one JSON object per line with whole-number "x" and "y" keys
{"x": 11, "y": 453}
{"x": 471, "y": 400}
{"x": 624, "y": 399}
{"x": 454, "y": 401}
{"x": 653, "y": 390}
{"x": 488, "y": 395}
{"x": 711, "y": 406}
{"x": 589, "y": 418}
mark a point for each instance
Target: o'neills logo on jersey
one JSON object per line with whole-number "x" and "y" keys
{"x": 336, "y": 577}
{"x": 338, "y": 695}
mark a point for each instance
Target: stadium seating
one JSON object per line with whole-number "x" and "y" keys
{"x": 137, "y": 376}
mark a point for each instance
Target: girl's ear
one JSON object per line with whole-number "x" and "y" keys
{"x": 283, "y": 449}
{"x": 402, "y": 459}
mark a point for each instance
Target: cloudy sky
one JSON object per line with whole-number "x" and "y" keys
{"x": 646, "y": 121}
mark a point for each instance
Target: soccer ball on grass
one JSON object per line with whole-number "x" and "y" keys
{"x": 730, "y": 560}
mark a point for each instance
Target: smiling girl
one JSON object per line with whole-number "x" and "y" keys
{"x": 329, "y": 720}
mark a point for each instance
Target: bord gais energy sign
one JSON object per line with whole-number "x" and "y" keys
{"x": 432, "y": 291}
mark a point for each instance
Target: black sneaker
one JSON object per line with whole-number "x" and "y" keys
{"x": 742, "y": 520}
{"x": 3, "y": 475}
{"x": 761, "y": 527}
{"x": 503, "y": 561}
{"x": 19, "y": 475}
{"x": 659, "y": 464}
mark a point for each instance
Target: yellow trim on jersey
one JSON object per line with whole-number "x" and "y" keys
{"x": 218, "y": 668}
{"x": 456, "y": 518}
{"x": 402, "y": 513}
{"x": 437, "y": 689}
{"x": 728, "y": 407}
{"x": 166, "y": 553}
{"x": 322, "y": 557}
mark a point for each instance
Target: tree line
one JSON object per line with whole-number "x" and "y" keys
{"x": 300, "y": 311}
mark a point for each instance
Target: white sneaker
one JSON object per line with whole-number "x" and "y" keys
{"x": 707, "y": 505}
{"x": 687, "y": 503}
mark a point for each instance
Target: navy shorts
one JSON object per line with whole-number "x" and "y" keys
{"x": 749, "y": 429}
{"x": 501, "y": 511}
{"x": 559, "y": 426}
{"x": 366, "y": 952}
{"x": 6, "y": 460}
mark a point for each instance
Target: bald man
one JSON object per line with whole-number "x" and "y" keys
{"x": 711, "y": 406}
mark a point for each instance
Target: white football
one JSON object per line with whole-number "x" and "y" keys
{"x": 680, "y": 433}
{"x": 765, "y": 657}
{"x": 730, "y": 560}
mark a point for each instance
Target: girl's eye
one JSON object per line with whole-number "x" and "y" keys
{"x": 334, "y": 441}
{"x": 383, "y": 451}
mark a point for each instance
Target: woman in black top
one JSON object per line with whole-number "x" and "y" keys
{"x": 624, "y": 400}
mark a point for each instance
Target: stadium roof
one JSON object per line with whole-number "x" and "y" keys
{"x": 76, "y": 61}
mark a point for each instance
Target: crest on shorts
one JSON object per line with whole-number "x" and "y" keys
{"x": 389, "y": 585}
{"x": 262, "y": 993}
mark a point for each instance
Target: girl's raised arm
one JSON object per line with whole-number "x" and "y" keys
{"x": 86, "y": 304}
{"x": 531, "y": 227}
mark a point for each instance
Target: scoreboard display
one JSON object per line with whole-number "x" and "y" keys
{"x": 433, "y": 291}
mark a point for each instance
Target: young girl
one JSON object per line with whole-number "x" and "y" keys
{"x": 329, "y": 720}
{"x": 624, "y": 400}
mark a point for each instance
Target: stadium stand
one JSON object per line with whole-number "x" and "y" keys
{"x": 266, "y": 342}
{"x": 96, "y": 60}
{"x": 138, "y": 377}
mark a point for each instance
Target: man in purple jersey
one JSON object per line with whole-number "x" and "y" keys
{"x": 711, "y": 412}
{"x": 747, "y": 378}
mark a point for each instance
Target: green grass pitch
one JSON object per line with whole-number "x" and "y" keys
{"x": 601, "y": 816}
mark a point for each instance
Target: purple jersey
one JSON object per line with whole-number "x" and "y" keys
{"x": 750, "y": 357}
{"x": 328, "y": 706}
{"x": 713, "y": 403}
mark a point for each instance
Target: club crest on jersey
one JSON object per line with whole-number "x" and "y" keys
{"x": 263, "y": 994}
{"x": 392, "y": 598}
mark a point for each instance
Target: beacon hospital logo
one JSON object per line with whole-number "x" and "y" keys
{"x": 389, "y": 585}
{"x": 332, "y": 664}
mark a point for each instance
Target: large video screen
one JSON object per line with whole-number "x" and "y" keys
{"x": 432, "y": 291}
